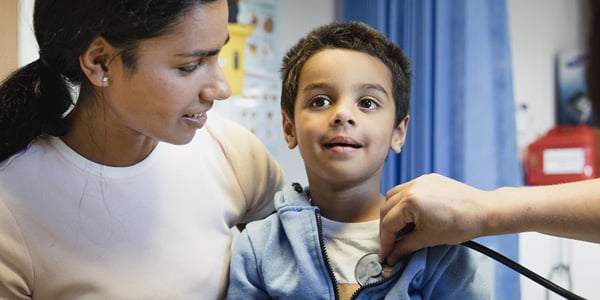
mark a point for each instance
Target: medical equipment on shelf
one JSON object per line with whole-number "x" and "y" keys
{"x": 566, "y": 153}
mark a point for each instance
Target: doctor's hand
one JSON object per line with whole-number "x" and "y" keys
{"x": 442, "y": 210}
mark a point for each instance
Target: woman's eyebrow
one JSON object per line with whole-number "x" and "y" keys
{"x": 203, "y": 53}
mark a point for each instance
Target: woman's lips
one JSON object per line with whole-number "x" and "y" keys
{"x": 196, "y": 120}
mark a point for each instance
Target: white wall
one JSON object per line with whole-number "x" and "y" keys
{"x": 28, "y": 48}
{"x": 297, "y": 18}
{"x": 539, "y": 30}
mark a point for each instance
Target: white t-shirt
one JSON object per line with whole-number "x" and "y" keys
{"x": 346, "y": 243}
{"x": 74, "y": 229}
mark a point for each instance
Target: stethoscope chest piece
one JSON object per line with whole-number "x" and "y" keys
{"x": 369, "y": 269}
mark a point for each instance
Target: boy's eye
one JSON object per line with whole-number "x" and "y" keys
{"x": 368, "y": 103}
{"x": 319, "y": 101}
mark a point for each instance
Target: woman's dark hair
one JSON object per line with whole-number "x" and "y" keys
{"x": 593, "y": 64}
{"x": 35, "y": 98}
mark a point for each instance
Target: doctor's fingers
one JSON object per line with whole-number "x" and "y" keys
{"x": 398, "y": 195}
{"x": 395, "y": 222}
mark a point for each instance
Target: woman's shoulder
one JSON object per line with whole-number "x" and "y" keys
{"x": 222, "y": 126}
{"x": 232, "y": 136}
{"x": 30, "y": 155}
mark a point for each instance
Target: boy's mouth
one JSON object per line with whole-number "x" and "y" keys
{"x": 342, "y": 142}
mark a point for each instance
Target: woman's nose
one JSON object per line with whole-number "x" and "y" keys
{"x": 218, "y": 87}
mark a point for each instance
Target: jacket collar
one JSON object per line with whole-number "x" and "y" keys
{"x": 293, "y": 195}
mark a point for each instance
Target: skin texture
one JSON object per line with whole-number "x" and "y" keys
{"x": 164, "y": 98}
{"x": 344, "y": 128}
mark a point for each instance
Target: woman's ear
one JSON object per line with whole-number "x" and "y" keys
{"x": 289, "y": 131}
{"x": 399, "y": 135}
{"x": 94, "y": 61}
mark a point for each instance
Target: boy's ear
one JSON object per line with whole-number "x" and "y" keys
{"x": 399, "y": 135}
{"x": 94, "y": 61}
{"x": 289, "y": 131}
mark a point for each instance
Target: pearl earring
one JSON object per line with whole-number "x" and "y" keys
{"x": 104, "y": 79}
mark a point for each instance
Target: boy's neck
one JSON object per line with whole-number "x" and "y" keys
{"x": 353, "y": 204}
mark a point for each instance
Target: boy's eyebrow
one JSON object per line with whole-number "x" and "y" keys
{"x": 315, "y": 86}
{"x": 365, "y": 86}
{"x": 203, "y": 53}
{"x": 374, "y": 86}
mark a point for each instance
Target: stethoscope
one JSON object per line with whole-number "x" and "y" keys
{"x": 371, "y": 269}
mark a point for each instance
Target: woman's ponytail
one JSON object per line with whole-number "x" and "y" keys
{"x": 33, "y": 101}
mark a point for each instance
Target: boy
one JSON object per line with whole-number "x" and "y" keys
{"x": 345, "y": 99}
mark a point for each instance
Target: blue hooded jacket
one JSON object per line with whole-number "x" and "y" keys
{"x": 284, "y": 257}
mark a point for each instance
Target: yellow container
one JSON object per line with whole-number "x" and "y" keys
{"x": 231, "y": 58}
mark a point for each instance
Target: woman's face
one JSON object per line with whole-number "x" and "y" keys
{"x": 176, "y": 79}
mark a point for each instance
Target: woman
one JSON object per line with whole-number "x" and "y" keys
{"x": 130, "y": 191}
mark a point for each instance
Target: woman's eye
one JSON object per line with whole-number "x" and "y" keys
{"x": 190, "y": 67}
{"x": 368, "y": 103}
{"x": 319, "y": 101}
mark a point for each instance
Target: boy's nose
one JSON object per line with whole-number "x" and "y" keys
{"x": 343, "y": 116}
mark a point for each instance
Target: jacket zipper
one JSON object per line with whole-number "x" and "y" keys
{"x": 325, "y": 257}
{"x": 361, "y": 288}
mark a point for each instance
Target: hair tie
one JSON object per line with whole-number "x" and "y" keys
{"x": 45, "y": 64}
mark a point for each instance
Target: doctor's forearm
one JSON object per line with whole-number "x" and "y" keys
{"x": 570, "y": 210}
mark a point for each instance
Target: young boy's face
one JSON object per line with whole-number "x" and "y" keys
{"x": 344, "y": 117}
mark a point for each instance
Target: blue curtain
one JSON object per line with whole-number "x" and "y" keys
{"x": 462, "y": 109}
